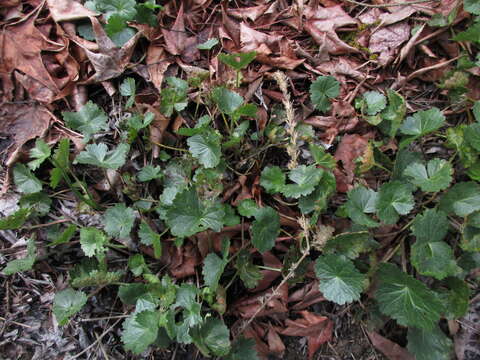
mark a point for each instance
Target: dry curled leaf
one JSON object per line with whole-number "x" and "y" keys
{"x": 68, "y": 10}
{"x": 388, "y": 348}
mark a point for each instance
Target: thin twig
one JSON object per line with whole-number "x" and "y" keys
{"x": 60, "y": 221}
{"x": 96, "y": 341}
{"x": 392, "y": 4}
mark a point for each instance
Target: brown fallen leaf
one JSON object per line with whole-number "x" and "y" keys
{"x": 275, "y": 343}
{"x": 110, "y": 61}
{"x": 67, "y": 10}
{"x": 183, "y": 260}
{"x": 388, "y": 348}
{"x": 22, "y": 122}
{"x": 321, "y": 24}
{"x": 252, "y": 13}
{"x": 387, "y": 41}
{"x": 21, "y": 47}
{"x": 351, "y": 147}
{"x": 317, "y": 329}
{"x": 306, "y": 296}
{"x": 246, "y": 307}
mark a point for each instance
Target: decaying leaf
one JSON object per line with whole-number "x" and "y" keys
{"x": 388, "y": 348}
{"x": 67, "y": 10}
{"x": 22, "y": 122}
{"x": 110, "y": 61}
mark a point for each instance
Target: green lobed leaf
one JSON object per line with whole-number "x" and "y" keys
{"x": 123, "y": 8}
{"x": 15, "y": 220}
{"x": 227, "y": 101}
{"x": 67, "y": 303}
{"x": 248, "y": 272}
{"x": 89, "y": 273}
{"x": 423, "y": 122}
{"x": 394, "y": 198}
{"x": 393, "y": 114}
{"x": 118, "y": 220}
{"x": 247, "y": 208}
{"x": 243, "y": 349}
{"x": 265, "y": 229}
{"x": 404, "y": 158}
{"x": 461, "y": 199}
{"x": 350, "y": 244}
{"x": 149, "y": 237}
{"x": 375, "y": 102}
{"x": 25, "y": 180}
{"x": 187, "y": 216}
{"x": 92, "y": 241}
{"x": 476, "y": 110}
{"x": 174, "y": 97}
{"x": 149, "y": 172}
{"x": 206, "y": 148}
{"x": 362, "y": 201}
{"x": 213, "y": 337}
{"x": 435, "y": 176}
{"x": 470, "y": 238}
{"x": 89, "y": 120}
{"x": 128, "y": 88}
{"x": 272, "y": 179}
{"x": 140, "y": 330}
{"x": 40, "y": 153}
{"x": 24, "y": 264}
{"x": 455, "y": 297}
{"x": 318, "y": 200}
{"x": 430, "y": 344}
{"x": 305, "y": 179}
{"x": 65, "y": 236}
{"x": 322, "y": 90}
{"x": 472, "y": 134}
{"x": 237, "y": 61}
{"x": 340, "y": 281}
{"x": 137, "y": 265}
{"x": 213, "y": 267}
{"x": 99, "y": 155}
{"x": 406, "y": 299}
{"x": 431, "y": 225}
{"x": 434, "y": 258}
{"x": 321, "y": 157}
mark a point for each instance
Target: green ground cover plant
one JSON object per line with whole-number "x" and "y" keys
{"x": 432, "y": 200}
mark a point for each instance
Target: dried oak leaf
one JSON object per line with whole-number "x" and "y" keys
{"x": 20, "y": 123}
{"x": 321, "y": 24}
{"x": 252, "y": 12}
{"x": 21, "y": 47}
{"x": 110, "y": 61}
{"x": 388, "y": 348}
{"x": 317, "y": 329}
{"x": 246, "y": 307}
{"x": 387, "y": 41}
{"x": 351, "y": 147}
{"x": 306, "y": 296}
{"x": 68, "y": 10}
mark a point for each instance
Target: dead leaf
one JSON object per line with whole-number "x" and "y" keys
{"x": 157, "y": 127}
{"x": 252, "y": 13}
{"x": 306, "y": 296}
{"x": 275, "y": 344}
{"x": 351, "y": 147}
{"x": 321, "y": 25}
{"x": 110, "y": 61}
{"x": 183, "y": 260}
{"x": 246, "y": 307}
{"x": 388, "y": 348}
{"x": 68, "y": 10}
{"x": 21, "y": 47}
{"x": 157, "y": 64}
{"x": 317, "y": 329}
{"x": 22, "y": 122}
{"x": 387, "y": 41}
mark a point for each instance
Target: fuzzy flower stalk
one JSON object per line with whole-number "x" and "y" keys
{"x": 292, "y": 147}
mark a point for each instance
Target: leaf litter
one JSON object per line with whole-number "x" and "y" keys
{"x": 58, "y": 55}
